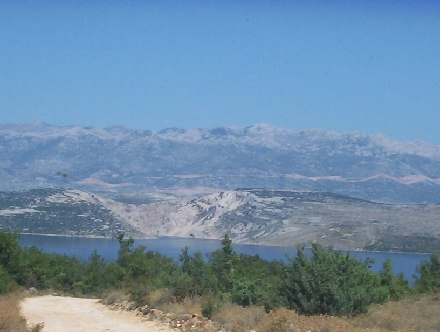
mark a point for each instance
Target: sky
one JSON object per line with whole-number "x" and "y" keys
{"x": 368, "y": 66}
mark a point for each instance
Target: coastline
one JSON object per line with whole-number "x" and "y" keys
{"x": 214, "y": 239}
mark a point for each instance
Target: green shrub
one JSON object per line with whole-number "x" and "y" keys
{"x": 246, "y": 292}
{"x": 208, "y": 306}
{"x": 330, "y": 283}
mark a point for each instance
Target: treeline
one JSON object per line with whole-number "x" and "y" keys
{"x": 323, "y": 282}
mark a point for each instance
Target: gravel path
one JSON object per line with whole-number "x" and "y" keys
{"x": 67, "y": 314}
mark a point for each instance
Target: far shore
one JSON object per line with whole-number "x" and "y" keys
{"x": 215, "y": 239}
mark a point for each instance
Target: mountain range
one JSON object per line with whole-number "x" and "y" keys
{"x": 118, "y": 161}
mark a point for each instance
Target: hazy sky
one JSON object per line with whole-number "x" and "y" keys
{"x": 369, "y": 66}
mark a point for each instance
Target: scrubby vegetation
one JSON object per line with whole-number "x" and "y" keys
{"x": 324, "y": 283}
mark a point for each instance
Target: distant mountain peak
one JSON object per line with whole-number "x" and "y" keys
{"x": 118, "y": 130}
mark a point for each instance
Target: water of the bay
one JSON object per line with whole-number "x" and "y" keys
{"x": 172, "y": 247}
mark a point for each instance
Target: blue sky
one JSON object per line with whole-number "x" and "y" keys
{"x": 369, "y": 66}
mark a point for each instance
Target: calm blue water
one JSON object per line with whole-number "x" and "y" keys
{"x": 172, "y": 247}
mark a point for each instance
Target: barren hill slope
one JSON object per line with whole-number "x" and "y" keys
{"x": 248, "y": 215}
{"x": 291, "y": 217}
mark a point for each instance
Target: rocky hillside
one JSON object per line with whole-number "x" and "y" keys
{"x": 200, "y": 161}
{"x": 60, "y": 212}
{"x": 293, "y": 217}
{"x": 247, "y": 215}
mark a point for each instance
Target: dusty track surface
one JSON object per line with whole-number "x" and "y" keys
{"x": 67, "y": 314}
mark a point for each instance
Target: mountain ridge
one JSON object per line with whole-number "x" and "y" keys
{"x": 117, "y": 159}
{"x": 198, "y": 134}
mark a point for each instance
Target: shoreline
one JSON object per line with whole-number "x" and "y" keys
{"x": 212, "y": 239}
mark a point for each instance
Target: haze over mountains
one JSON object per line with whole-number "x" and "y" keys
{"x": 119, "y": 160}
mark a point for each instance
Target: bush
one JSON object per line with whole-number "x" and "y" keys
{"x": 330, "y": 283}
{"x": 246, "y": 292}
{"x": 10, "y": 257}
{"x": 6, "y": 282}
{"x": 208, "y": 307}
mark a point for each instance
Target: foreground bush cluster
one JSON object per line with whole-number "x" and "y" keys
{"x": 322, "y": 283}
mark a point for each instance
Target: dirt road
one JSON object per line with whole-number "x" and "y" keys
{"x": 67, "y": 314}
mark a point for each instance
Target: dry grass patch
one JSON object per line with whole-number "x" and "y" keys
{"x": 418, "y": 313}
{"x": 158, "y": 298}
{"x": 235, "y": 318}
{"x": 282, "y": 320}
{"x": 187, "y": 306}
{"x": 10, "y": 316}
{"x": 116, "y": 296}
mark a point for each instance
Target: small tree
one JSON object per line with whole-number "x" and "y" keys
{"x": 429, "y": 280}
{"x": 99, "y": 275}
{"x": 202, "y": 281}
{"x": 397, "y": 286}
{"x": 222, "y": 263}
{"x": 125, "y": 250}
{"x": 5, "y": 280}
